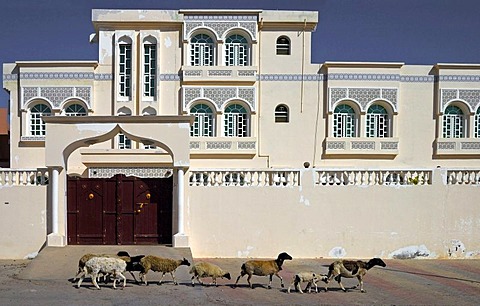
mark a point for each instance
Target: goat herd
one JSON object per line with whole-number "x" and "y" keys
{"x": 97, "y": 265}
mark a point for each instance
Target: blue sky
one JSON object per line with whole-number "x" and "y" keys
{"x": 410, "y": 31}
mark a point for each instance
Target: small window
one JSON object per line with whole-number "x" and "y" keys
{"x": 283, "y": 45}
{"x": 477, "y": 123}
{"x": 281, "y": 113}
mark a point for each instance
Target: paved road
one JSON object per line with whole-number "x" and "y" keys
{"x": 402, "y": 282}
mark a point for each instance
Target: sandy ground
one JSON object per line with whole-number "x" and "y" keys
{"x": 402, "y": 282}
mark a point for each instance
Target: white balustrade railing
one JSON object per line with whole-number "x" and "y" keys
{"x": 244, "y": 178}
{"x": 467, "y": 177}
{"x": 373, "y": 177}
{"x": 23, "y": 177}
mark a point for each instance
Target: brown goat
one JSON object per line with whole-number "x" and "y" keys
{"x": 264, "y": 268}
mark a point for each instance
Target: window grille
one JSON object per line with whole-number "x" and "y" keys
{"x": 344, "y": 121}
{"x": 149, "y": 69}
{"x": 123, "y": 142}
{"x": 281, "y": 114}
{"x": 283, "y": 45}
{"x": 378, "y": 122}
{"x": 453, "y": 123}
{"x": 236, "y": 51}
{"x": 202, "y": 50}
{"x": 75, "y": 110}
{"x": 203, "y": 126}
{"x": 477, "y": 123}
{"x": 37, "y": 126}
{"x": 125, "y": 70}
{"x": 236, "y": 121}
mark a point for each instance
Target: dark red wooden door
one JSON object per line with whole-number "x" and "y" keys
{"x": 119, "y": 210}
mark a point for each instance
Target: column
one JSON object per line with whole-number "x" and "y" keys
{"x": 55, "y": 238}
{"x": 180, "y": 239}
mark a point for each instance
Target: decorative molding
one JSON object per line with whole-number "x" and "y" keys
{"x": 388, "y": 145}
{"x": 219, "y": 95}
{"x": 291, "y": 77}
{"x": 56, "y": 95}
{"x": 470, "y": 145}
{"x": 363, "y": 96}
{"x": 470, "y": 96}
{"x": 246, "y": 145}
{"x": 142, "y": 172}
{"x": 446, "y": 145}
{"x": 194, "y": 145}
{"x": 169, "y": 77}
{"x": 362, "y": 77}
{"x": 363, "y": 145}
{"x": 10, "y": 77}
{"x": 220, "y": 24}
{"x": 219, "y": 145}
{"x": 336, "y": 145}
{"x": 32, "y": 138}
{"x": 59, "y": 76}
{"x": 459, "y": 78}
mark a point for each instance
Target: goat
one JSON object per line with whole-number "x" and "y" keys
{"x": 350, "y": 269}
{"x": 133, "y": 263}
{"x": 305, "y": 277}
{"x": 106, "y": 265}
{"x": 264, "y": 268}
{"x": 205, "y": 269}
{"x": 159, "y": 264}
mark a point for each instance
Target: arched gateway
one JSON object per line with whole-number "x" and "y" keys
{"x": 124, "y": 196}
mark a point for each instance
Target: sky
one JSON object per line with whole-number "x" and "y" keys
{"x": 410, "y": 31}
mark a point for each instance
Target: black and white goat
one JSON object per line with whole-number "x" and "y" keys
{"x": 350, "y": 269}
{"x": 133, "y": 263}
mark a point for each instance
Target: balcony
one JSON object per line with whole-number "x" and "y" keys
{"x": 243, "y": 74}
{"x": 223, "y": 145}
{"x": 457, "y": 146}
{"x": 361, "y": 146}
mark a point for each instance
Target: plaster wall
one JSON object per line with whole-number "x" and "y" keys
{"x": 24, "y": 220}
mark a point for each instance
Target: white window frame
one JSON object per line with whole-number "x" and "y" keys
{"x": 75, "y": 110}
{"x": 204, "y": 123}
{"x": 454, "y": 125}
{"x": 345, "y": 125}
{"x": 125, "y": 61}
{"x": 237, "y": 53}
{"x": 202, "y": 53}
{"x": 123, "y": 142}
{"x": 36, "y": 126}
{"x": 377, "y": 124}
{"x": 236, "y": 124}
{"x": 149, "y": 71}
{"x": 476, "y": 121}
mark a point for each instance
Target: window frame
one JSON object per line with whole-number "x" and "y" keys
{"x": 149, "y": 68}
{"x": 237, "y": 50}
{"x": 342, "y": 131}
{"x": 282, "y": 116}
{"x": 125, "y": 58}
{"x": 283, "y": 48}
{"x": 36, "y": 126}
{"x": 236, "y": 121}
{"x": 204, "y": 123}
{"x": 454, "y": 125}
{"x": 198, "y": 50}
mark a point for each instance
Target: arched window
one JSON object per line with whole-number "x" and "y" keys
{"x": 378, "y": 122}
{"x": 75, "y": 110}
{"x": 453, "y": 122}
{"x": 37, "y": 126}
{"x": 236, "y": 121}
{"x": 283, "y": 45}
{"x": 281, "y": 113}
{"x": 149, "y": 66}
{"x": 344, "y": 121}
{"x": 204, "y": 121}
{"x": 236, "y": 51}
{"x": 202, "y": 50}
{"x": 477, "y": 123}
{"x": 125, "y": 67}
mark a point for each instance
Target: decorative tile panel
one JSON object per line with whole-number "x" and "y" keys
{"x": 219, "y": 95}
{"x": 363, "y": 145}
{"x": 194, "y": 145}
{"x": 57, "y": 95}
{"x": 291, "y": 77}
{"x": 470, "y": 145}
{"x": 446, "y": 146}
{"x": 363, "y": 96}
{"x": 336, "y": 145}
{"x": 385, "y": 145}
{"x": 226, "y": 73}
{"x": 10, "y": 77}
{"x": 470, "y": 96}
{"x": 142, "y": 172}
{"x": 220, "y": 24}
{"x": 221, "y": 145}
{"x": 460, "y": 78}
{"x": 193, "y": 73}
{"x": 246, "y": 145}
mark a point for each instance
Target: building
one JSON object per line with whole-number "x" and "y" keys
{"x": 212, "y": 129}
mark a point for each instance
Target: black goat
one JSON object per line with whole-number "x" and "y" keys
{"x": 133, "y": 263}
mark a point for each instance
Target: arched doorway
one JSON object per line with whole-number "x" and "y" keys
{"x": 119, "y": 210}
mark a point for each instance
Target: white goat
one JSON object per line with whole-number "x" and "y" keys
{"x": 105, "y": 265}
{"x": 306, "y": 277}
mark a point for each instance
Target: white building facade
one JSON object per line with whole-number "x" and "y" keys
{"x": 212, "y": 129}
